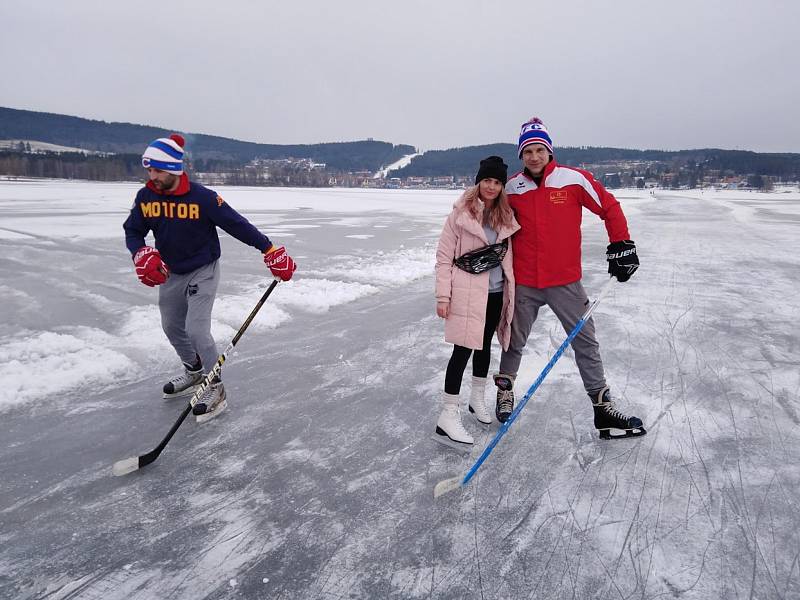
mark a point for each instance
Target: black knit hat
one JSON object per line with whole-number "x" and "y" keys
{"x": 493, "y": 167}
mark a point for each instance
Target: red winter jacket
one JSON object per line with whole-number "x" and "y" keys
{"x": 547, "y": 248}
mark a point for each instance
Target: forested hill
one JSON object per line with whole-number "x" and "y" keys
{"x": 464, "y": 161}
{"x": 128, "y": 138}
{"x": 209, "y": 153}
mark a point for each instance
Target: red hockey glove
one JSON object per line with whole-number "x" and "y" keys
{"x": 280, "y": 263}
{"x": 150, "y": 269}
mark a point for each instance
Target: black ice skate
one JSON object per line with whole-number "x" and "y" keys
{"x": 186, "y": 383}
{"x": 505, "y": 396}
{"x": 609, "y": 421}
{"x": 211, "y": 403}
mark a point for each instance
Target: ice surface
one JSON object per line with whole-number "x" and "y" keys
{"x": 318, "y": 478}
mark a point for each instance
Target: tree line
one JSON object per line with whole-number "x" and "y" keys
{"x": 71, "y": 165}
{"x": 129, "y": 138}
{"x": 342, "y": 160}
{"x": 128, "y": 167}
{"x": 673, "y": 170}
{"x": 689, "y": 164}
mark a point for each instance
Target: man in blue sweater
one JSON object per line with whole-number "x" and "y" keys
{"x": 183, "y": 216}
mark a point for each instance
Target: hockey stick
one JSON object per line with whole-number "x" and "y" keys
{"x": 448, "y": 485}
{"x": 123, "y": 467}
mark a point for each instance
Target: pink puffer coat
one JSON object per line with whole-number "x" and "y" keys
{"x": 468, "y": 293}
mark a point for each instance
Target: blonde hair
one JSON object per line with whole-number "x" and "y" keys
{"x": 500, "y": 213}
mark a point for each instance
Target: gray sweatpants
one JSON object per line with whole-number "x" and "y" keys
{"x": 568, "y": 302}
{"x": 185, "y": 302}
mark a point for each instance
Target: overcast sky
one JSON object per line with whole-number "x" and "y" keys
{"x": 431, "y": 73}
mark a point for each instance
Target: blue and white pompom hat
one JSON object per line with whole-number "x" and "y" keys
{"x": 165, "y": 154}
{"x": 534, "y": 132}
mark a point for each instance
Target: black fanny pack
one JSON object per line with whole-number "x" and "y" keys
{"x": 482, "y": 259}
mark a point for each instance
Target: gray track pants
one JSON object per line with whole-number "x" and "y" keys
{"x": 185, "y": 302}
{"x": 568, "y": 302}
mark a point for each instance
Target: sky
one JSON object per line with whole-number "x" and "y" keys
{"x": 435, "y": 75}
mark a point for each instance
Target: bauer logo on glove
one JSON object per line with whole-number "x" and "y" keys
{"x": 622, "y": 259}
{"x": 280, "y": 264}
{"x": 150, "y": 269}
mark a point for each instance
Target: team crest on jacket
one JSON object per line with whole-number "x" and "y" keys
{"x": 559, "y": 196}
{"x": 220, "y": 201}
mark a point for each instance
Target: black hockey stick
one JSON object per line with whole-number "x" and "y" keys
{"x": 123, "y": 467}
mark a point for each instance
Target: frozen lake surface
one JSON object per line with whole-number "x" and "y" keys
{"x": 317, "y": 483}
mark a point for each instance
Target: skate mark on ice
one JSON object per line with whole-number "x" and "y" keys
{"x": 748, "y": 527}
{"x": 782, "y": 398}
{"x": 578, "y": 440}
{"x": 36, "y": 236}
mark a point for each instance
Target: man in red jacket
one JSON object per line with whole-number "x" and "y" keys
{"x": 548, "y": 200}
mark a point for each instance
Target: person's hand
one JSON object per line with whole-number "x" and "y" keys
{"x": 150, "y": 269}
{"x": 443, "y": 309}
{"x": 622, "y": 259}
{"x": 280, "y": 264}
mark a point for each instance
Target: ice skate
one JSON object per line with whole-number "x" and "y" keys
{"x": 449, "y": 428}
{"x": 505, "y": 396}
{"x": 186, "y": 383}
{"x": 211, "y": 403}
{"x": 477, "y": 401}
{"x": 609, "y": 421}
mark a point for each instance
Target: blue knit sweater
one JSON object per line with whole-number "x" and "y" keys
{"x": 185, "y": 226}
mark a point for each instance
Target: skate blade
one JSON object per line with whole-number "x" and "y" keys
{"x": 502, "y": 420}
{"x": 606, "y": 434}
{"x": 204, "y": 418}
{"x": 484, "y": 424}
{"x": 446, "y": 441}
{"x": 185, "y": 393}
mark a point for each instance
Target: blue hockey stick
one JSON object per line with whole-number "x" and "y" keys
{"x": 448, "y": 485}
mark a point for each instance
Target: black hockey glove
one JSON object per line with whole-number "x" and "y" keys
{"x": 622, "y": 259}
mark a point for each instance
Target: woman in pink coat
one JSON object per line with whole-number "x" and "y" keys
{"x": 474, "y": 293}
